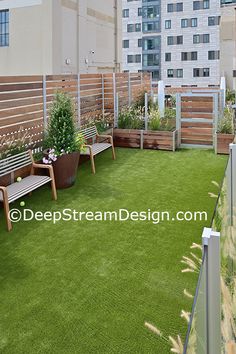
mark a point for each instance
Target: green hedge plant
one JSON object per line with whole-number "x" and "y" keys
{"x": 226, "y": 124}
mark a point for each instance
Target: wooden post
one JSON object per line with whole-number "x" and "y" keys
{"x": 78, "y": 102}
{"x": 45, "y": 121}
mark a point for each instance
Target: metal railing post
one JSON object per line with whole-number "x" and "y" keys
{"x": 129, "y": 89}
{"x": 103, "y": 98}
{"x": 114, "y": 98}
{"x": 211, "y": 241}
{"x": 146, "y": 111}
{"x": 178, "y": 117}
{"x": 215, "y": 118}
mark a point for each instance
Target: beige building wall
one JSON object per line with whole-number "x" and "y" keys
{"x": 62, "y": 36}
{"x": 228, "y": 44}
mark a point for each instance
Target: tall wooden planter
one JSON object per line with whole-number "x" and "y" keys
{"x": 155, "y": 140}
{"x": 222, "y": 143}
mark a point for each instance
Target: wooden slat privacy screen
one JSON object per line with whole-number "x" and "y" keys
{"x": 25, "y": 100}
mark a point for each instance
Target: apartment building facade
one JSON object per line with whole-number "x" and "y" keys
{"x": 228, "y": 42}
{"x": 179, "y": 40}
{"x": 60, "y": 36}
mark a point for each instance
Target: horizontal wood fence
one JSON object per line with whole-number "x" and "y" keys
{"x": 25, "y": 100}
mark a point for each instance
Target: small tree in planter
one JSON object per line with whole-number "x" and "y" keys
{"x": 64, "y": 145}
{"x": 225, "y": 133}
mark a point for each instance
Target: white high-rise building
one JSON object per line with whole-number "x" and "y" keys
{"x": 178, "y": 41}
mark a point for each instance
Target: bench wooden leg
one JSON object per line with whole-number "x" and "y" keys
{"x": 113, "y": 152}
{"x": 6, "y": 212}
{"x": 92, "y": 163}
{"x": 54, "y": 190}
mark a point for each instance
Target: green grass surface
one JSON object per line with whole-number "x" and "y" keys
{"x": 88, "y": 287}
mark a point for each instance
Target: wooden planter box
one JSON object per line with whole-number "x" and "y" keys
{"x": 155, "y": 140}
{"x": 222, "y": 143}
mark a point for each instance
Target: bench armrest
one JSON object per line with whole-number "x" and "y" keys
{"x": 45, "y": 167}
{"x": 109, "y": 137}
{"x": 4, "y": 192}
{"x": 40, "y": 165}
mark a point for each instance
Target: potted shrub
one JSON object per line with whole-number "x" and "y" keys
{"x": 225, "y": 133}
{"x": 62, "y": 141}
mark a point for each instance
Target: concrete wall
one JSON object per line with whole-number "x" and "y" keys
{"x": 228, "y": 45}
{"x": 62, "y": 36}
{"x": 30, "y": 50}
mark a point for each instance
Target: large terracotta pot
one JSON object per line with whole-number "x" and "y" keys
{"x": 65, "y": 169}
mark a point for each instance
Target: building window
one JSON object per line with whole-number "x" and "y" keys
{"x": 213, "y": 55}
{"x": 167, "y": 56}
{"x": 126, "y": 13}
{"x": 179, "y": 73}
{"x": 201, "y": 5}
{"x": 125, "y": 43}
{"x": 170, "y": 73}
{"x": 170, "y": 40}
{"x": 196, "y": 39}
{"x": 140, "y": 11}
{"x": 151, "y": 11}
{"x": 184, "y": 23}
{"x": 151, "y": 26}
{"x": 174, "y": 40}
{"x": 205, "y": 72}
{"x": 213, "y": 21}
{"x": 140, "y": 42}
{"x": 206, "y": 4}
{"x": 151, "y": 60}
{"x": 134, "y": 27}
{"x": 156, "y": 75}
{"x": 170, "y": 7}
{"x": 185, "y": 56}
{"x": 196, "y": 5}
{"x": 193, "y": 22}
{"x": 206, "y": 38}
{"x": 201, "y": 38}
{"x": 168, "y": 24}
{"x": 151, "y": 43}
{"x": 4, "y": 28}
{"x": 134, "y": 58}
{"x": 179, "y": 40}
{"x": 179, "y": 7}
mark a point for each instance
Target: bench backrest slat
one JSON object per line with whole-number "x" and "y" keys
{"x": 89, "y": 133}
{"x": 15, "y": 162}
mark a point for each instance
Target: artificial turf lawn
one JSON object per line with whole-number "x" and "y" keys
{"x": 89, "y": 287}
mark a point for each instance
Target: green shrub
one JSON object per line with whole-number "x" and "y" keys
{"x": 230, "y": 96}
{"x": 226, "y": 124}
{"x": 131, "y": 118}
{"x": 61, "y": 132}
{"x": 157, "y": 123}
{"x": 170, "y": 113}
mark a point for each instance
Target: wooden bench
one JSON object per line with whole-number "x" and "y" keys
{"x": 28, "y": 184}
{"x": 93, "y": 146}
